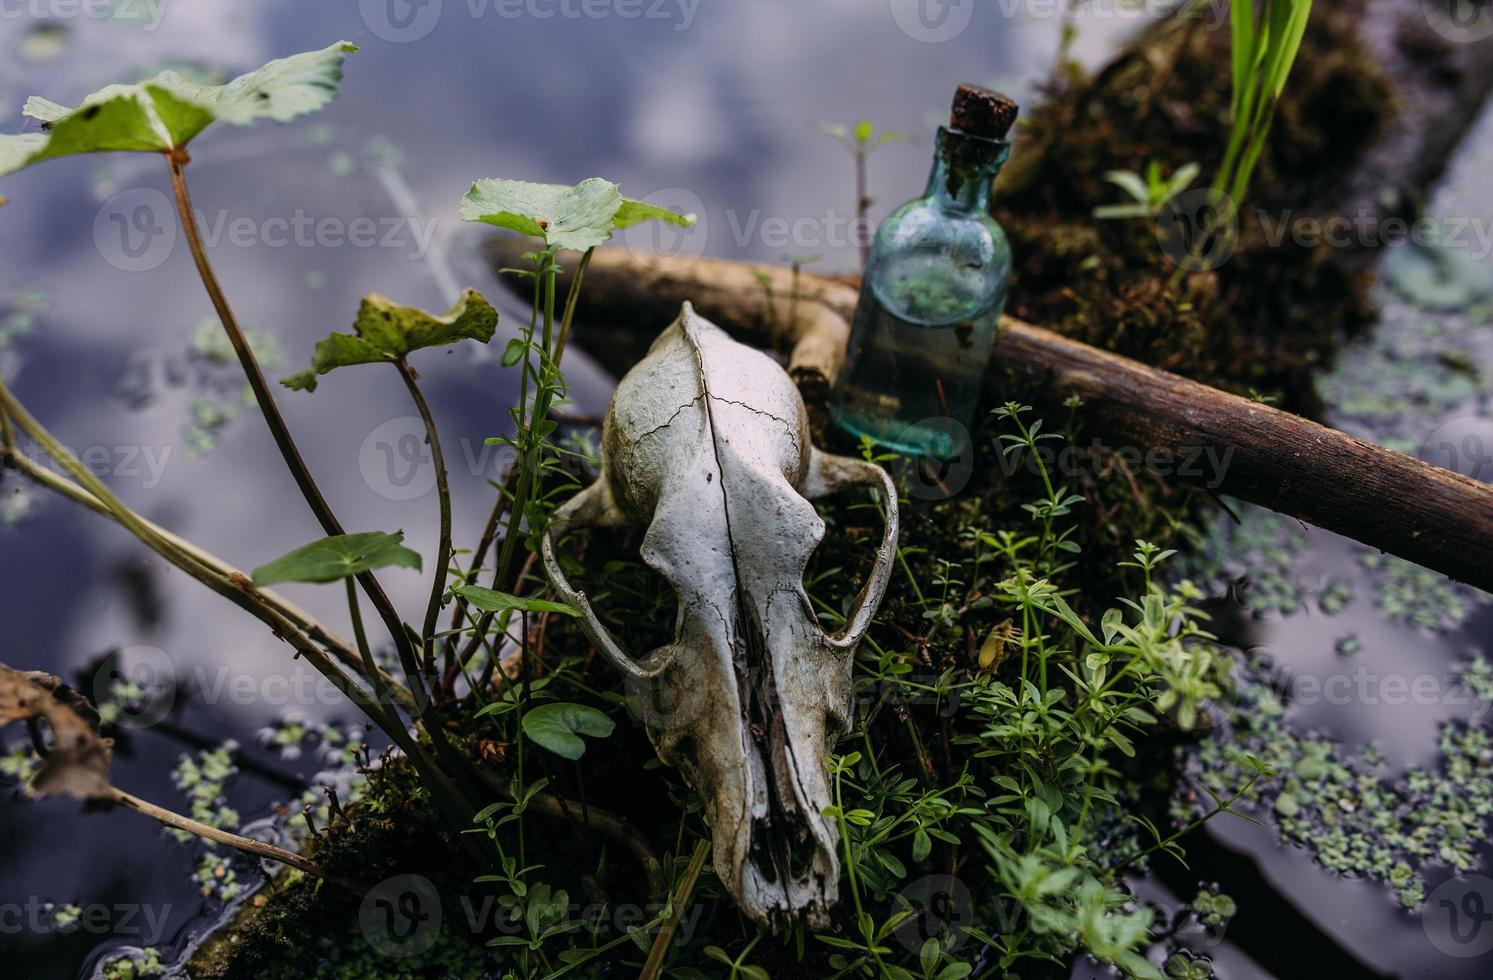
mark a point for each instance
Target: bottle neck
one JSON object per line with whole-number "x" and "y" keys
{"x": 963, "y": 169}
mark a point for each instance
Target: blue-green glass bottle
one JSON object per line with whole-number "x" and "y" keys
{"x": 932, "y": 295}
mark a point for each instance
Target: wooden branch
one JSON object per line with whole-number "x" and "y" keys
{"x": 1387, "y": 500}
{"x": 807, "y": 317}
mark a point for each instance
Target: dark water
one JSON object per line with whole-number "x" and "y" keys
{"x": 710, "y": 107}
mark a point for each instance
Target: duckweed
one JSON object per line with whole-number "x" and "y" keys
{"x": 1351, "y": 817}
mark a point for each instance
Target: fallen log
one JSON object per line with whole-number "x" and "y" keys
{"x": 1386, "y": 500}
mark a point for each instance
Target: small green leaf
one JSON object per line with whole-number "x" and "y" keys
{"x": 1112, "y": 623}
{"x": 636, "y": 212}
{"x": 892, "y": 863}
{"x": 559, "y": 727}
{"x": 578, "y": 218}
{"x": 167, "y": 111}
{"x": 337, "y": 557}
{"x": 929, "y": 955}
{"x": 387, "y": 331}
{"x": 1131, "y": 183}
{"x": 489, "y": 601}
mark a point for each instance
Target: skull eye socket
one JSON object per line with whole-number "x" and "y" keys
{"x": 630, "y": 598}
{"x": 846, "y": 556}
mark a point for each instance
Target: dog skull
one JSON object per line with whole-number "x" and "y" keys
{"x": 706, "y": 444}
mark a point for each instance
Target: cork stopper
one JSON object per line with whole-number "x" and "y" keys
{"x": 982, "y": 112}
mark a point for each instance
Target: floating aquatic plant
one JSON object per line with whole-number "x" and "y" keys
{"x": 1339, "y": 805}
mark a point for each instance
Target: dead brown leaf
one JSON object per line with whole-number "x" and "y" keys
{"x": 77, "y": 762}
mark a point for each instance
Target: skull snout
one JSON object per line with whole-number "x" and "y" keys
{"x": 751, "y": 738}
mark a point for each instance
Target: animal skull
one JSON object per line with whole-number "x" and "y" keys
{"x": 707, "y": 444}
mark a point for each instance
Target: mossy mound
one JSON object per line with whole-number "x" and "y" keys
{"x": 1270, "y": 314}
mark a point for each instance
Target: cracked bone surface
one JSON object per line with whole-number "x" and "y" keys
{"x": 706, "y": 444}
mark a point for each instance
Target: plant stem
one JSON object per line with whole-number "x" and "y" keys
{"x": 443, "y": 492}
{"x": 234, "y": 585}
{"x": 530, "y": 458}
{"x": 246, "y": 844}
{"x": 507, "y": 490}
{"x": 572, "y": 297}
{"x": 862, "y": 204}
{"x": 177, "y": 160}
{"x": 345, "y": 653}
{"x": 850, "y": 875}
{"x": 360, "y": 636}
{"x": 1220, "y": 808}
{"x": 257, "y": 382}
{"x": 592, "y": 954}
{"x": 237, "y": 588}
{"x": 655, "y": 961}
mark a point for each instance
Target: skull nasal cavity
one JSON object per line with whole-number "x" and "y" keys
{"x": 783, "y": 846}
{"x": 782, "y": 849}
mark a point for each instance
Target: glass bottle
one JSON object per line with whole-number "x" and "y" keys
{"x": 932, "y": 295}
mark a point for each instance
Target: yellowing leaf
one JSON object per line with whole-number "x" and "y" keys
{"x": 387, "y": 331}
{"x": 993, "y": 650}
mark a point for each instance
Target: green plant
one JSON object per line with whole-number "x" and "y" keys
{"x": 164, "y": 115}
{"x": 1037, "y": 727}
{"x": 1149, "y": 194}
{"x": 738, "y": 965}
{"x": 860, "y": 141}
{"x": 1266, "y": 37}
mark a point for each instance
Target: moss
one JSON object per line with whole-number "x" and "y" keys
{"x": 294, "y": 921}
{"x": 1268, "y": 316}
